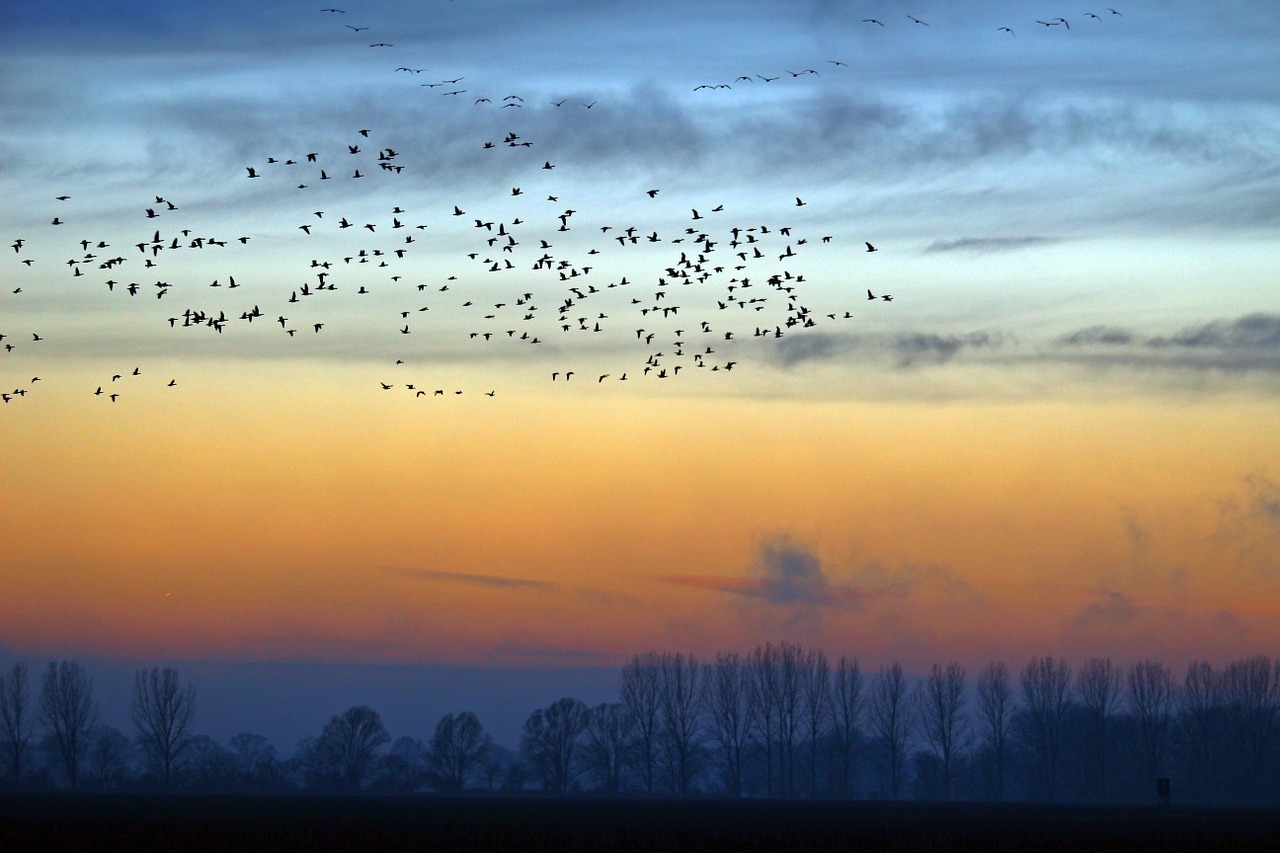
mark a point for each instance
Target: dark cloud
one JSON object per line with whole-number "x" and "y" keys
{"x": 907, "y": 349}
{"x": 1247, "y": 343}
{"x": 984, "y": 245}
{"x": 469, "y": 579}
{"x": 790, "y": 576}
{"x": 1113, "y": 608}
{"x": 1249, "y": 524}
{"x": 1099, "y": 336}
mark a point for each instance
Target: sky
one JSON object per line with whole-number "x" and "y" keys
{"x": 1056, "y": 437}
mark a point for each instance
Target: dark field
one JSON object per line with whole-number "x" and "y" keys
{"x": 241, "y": 824}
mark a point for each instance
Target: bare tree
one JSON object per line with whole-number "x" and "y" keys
{"x": 639, "y": 691}
{"x": 107, "y": 757}
{"x": 162, "y": 712}
{"x": 1046, "y": 695}
{"x": 457, "y": 749}
{"x": 1098, "y": 689}
{"x": 846, "y": 712}
{"x": 1199, "y": 720}
{"x": 67, "y": 713}
{"x": 1251, "y": 696}
{"x": 680, "y": 695}
{"x": 815, "y": 684}
{"x": 995, "y": 715}
{"x": 606, "y": 750}
{"x": 347, "y": 746}
{"x": 550, "y": 742}
{"x": 775, "y": 684}
{"x": 943, "y": 724}
{"x": 15, "y": 719}
{"x": 1150, "y": 692}
{"x": 889, "y": 713}
{"x": 763, "y": 684}
{"x": 257, "y": 762}
{"x": 730, "y": 708}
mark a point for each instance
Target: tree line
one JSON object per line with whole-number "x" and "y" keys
{"x": 781, "y": 721}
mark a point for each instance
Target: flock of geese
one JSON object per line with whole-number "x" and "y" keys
{"x": 530, "y": 271}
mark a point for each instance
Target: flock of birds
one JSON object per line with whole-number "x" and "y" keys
{"x": 533, "y": 271}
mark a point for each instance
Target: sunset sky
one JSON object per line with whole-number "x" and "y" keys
{"x": 1061, "y": 436}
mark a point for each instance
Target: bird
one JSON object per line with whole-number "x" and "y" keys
{"x": 871, "y": 248}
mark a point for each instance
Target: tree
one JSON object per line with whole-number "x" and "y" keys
{"x": 107, "y": 757}
{"x": 162, "y": 712}
{"x": 889, "y": 713}
{"x": 1150, "y": 693}
{"x": 257, "y": 762}
{"x": 815, "y": 682}
{"x": 607, "y": 745}
{"x": 775, "y": 684}
{"x": 1046, "y": 695}
{"x": 404, "y": 767}
{"x": 731, "y": 712}
{"x": 639, "y": 691}
{"x": 15, "y": 719}
{"x": 1251, "y": 696}
{"x": 67, "y": 713}
{"x": 1098, "y": 689}
{"x": 680, "y": 695}
{"x": 550, "y": 741}
{"x": 457, "y": 749}
{"x": 1199, "y": 720}
{"x": 846, "y": 712}
{"x": 940, "y": 702}
{"x": 347, "y": 747}
{"x": 995, "y": 713}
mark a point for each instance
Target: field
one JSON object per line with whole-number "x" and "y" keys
{"x": 74, "y": 822}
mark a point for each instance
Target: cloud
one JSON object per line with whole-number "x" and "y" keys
{"x": 1113, "y": 608}
{"x": 1247, "y": 343}
{"x": 906, "y": 349}
{"x": 789, "y": 575}
{"x": 468, "y": 579}
{"x": 984, "y": 245}
{"x": 1249, "y": 524}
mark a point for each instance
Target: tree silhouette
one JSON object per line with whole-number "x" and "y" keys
{"x": 15, "y": 719}
{"x": 639, "y": 692}
{"x": 1098, "y": 689}
{"x": 815, "y": 684}
{"x": 457, "y": 749}
{"x": 1046, "y": 698}
{"x": 67, "y": 712}
{"x": 680, "y": 700}
{"x": 889, "y": 713}
{"x": 995, "y": 714}
{"x": 347, "y": 745}
{"x": 1150, "y": 692}
{"x": 550, "y": 741}
{"x": 846, "y": 713}
{"x": 730, "y": 711}
{"x": 607, "y": 747}
{"x": 162, "y": 712}
{"x": 943, "y": 725}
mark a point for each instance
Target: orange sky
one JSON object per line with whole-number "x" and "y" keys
{"x": 290, "y": 520}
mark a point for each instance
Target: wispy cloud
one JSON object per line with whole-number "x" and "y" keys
{"x": 905, "y": 349}
{"x": 1247, "y": 343}
{"x": 469, "y": 579}
{"x": 984, "y": 245}
{"x": 790, "y": 576}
